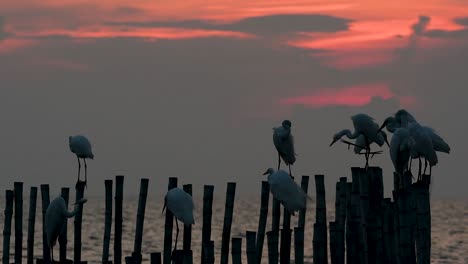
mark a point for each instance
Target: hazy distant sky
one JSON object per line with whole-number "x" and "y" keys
{"x": 193, "y": 88}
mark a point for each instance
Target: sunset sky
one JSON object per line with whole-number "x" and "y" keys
{"x": 192, "y": 88}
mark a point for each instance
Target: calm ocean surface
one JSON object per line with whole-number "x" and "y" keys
{"x": 449, "y": 228}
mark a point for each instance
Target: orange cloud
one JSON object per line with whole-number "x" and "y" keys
{"x": 358, "y": 95}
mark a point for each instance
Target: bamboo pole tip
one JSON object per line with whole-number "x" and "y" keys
{"x": 18, "y": 184}
{"x": 343, "y": 179}
{"x": 119, "y": 178}
{"x": 9, "y": 194}
{"x": 44, "y": 186}
{"x": 107, "y": 181}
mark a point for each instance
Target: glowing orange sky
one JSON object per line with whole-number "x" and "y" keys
{"x": 369, "y": 41}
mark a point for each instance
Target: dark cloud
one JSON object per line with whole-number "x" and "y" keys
{"x": 417, "y": 29}
{"x": 461, "y": 21}
{"x": 440, "y": 33}
{"x": 3, "y": 33}
{"x": 128, "y": 10}
{"x": 420, "y": 26}
{"x": 263, "y": 25}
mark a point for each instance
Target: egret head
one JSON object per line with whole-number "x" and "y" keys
{"x": 389, "y": 122}
{"x": 269, "y": 171}
{"x": 286, "y": 124}
{"x": 339, "y": 135}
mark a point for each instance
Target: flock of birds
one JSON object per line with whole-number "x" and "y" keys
{"x": 410, "y": 140}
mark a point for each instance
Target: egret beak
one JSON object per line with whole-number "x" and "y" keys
{"x": 333, "y": 142}
{"x": 164, "y": 207}
{"x": 386, "y": 141}
{"x": 265, "y": 173}
{"x": 383, "y": 125}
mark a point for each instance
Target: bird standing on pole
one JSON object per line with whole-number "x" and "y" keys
{"x": 284, "y": 144}
{"x": 81, "y": 146}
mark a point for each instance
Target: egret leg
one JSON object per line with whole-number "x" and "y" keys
{"x": 52, "y": 254}
{"x": 420, "y": 166}
{"x": 79, "y": 168}
{"x": 85, "y": 172}
{"x": 290, "y": 171}
{"x": 425, "y": 166}
{"x": 279, "y": 161}
{"x": 177, "y": 237}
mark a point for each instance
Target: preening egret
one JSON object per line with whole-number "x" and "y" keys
{"x": 286, "y": 190}
{"x": 400, "y": 149}
{"x": 363, "y": 125}
{"x": 180, "y": 204}
{"x": 403, "y": 118}
{"x": 81, "y": 146}
{"x": 284, "y": 144}
{"x": 55, "y": 218}
{"x": 423, "y": 147}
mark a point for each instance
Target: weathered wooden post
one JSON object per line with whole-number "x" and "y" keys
{"x": 423, "y": 239}
{"x": 236, "y": 250}
{"x": 187, "y": 243}
{"x": 299, "y": 245}
{"x": 333, "y": 242}
{"x": 402, "y": 198}
{"x": 374, "y": 217}
{"x": 18, "y": 189}
{"x": 364, "y": 181}
{"x": 207, "y": 213}
{"x": 265, "y": 198}
{"x": 31, "y": 224}
{"x": 320, "y": 226}
{"x": 136, "y": 255}
{"x": 250, "y": 237}
{"x": 338, "y": 254}
{"x": 118, "y": 219}
{"x": 155, "y": 258}
{"x": 285, "y": 242}
{"x": 228, "y": 211}
{"x": 275, "y": 215}
{"x": 168, "y": 226}
{"x": 80, "y": 186}
{"x": 45, "y": 203}
{"x": 272, "y": 239}
{"x": 353, "y": 222}
{"x": 7, "y": 226}
{"x": 209, "y": 252}
{"x": 389, "y": 252}
{"x": 107, "y": 222}
{"x": 65, "y": 193}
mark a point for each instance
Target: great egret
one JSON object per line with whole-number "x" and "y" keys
{"x": 363, "y": 125}
{"x": 284, "y": 144}
{"x": 81, "y": 146}
{"x": 55, "y": 218}
{"x": 180, "y": 204}
{"x": 400, "y": 149}
{"x": 423, "y": 147}
{"x": 403, "y": 118}
{"x": 286, "y": 190}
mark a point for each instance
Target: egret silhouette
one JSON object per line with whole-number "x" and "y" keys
{"x": 286, "y": 190}
{"x": 363, "y": 125}
{"x": 180, "y": 204}
{"x": 284, "y": 144}
{"x": 81, "y": 146}
{"x": 422, "y": 148}
{"x": 55, "y": 218}
{"x": 400, "y": 151}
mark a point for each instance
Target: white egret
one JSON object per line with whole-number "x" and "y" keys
{"x": 363, "y": 125}
{"x": 81, "y": 146}
{"x": 423, "y": 147}
{"x": 286, "y": 190}
{"x": 403, "y": 118}
{"x": 55, "y": 218}
{"x": 400, "y": 149}
{"x": 180, "y": 204}
{"x": 284, "y": 144}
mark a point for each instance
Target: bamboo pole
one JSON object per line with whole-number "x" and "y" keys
{"x": 65, "y": 193}
{"x": 7, "y": 226}
{"x": 207, "y": 213}
{"x": 333, "y": 242}
{"x": 168, "y": 226}
{"x": 423, "y": 241}
{"x": 118, "y": 219}
{"x": 299, "y": 245}
{"x": 320, "y": 226}
{"x": 341, "y": 220}
{"x": 18, "y": 189}
{"x": 375, "y": 214}
{"x": 228, "y": 212}
{"x": 403, "y": 204}
{"x": 45, "y": 203}
{"x": 107, "y": 222}
{"x": 31, "y": 224}
{"x": 265, "y": 198}
{"x": 285, "y": 242}
{"x": 155, "y": 258}
{"x": 236, "y": 250}
{"x": 250, "y": 237}
{"x": 187, "y": 243}
{"x": 364, "y": 183}
{"x": 353, "y": 224}
{"x": 302, "y": 213}
{"x": 140, "y": 220}
{"x": 78, "y": 223}
{"x": 209, "y": 252}
{"x": 275, "y": 215}
{"x": 272, "y": 239}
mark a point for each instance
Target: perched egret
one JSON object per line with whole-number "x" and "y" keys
{"x": 55, "y": 218}
{"x": 284, "y": 143}
{"x": 403, "y": 118}
{"x": 180, "y": 204}
{"x": 81, "y": 146}
{"x": 400, "y": 149}
{"x": 363, "y": 125}
{"x": 423, "y": 147}
{"x": 286, "y": 190}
